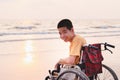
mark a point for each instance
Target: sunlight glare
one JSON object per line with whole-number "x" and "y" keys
{"x": 28, "y": 58}
{"x": 28, "y": 50}
{"x": 28, "y": 46}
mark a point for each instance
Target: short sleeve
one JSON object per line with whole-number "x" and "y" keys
{"x": 76, "y": 45}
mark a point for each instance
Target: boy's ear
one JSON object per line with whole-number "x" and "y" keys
{"x": 72, "y": 29}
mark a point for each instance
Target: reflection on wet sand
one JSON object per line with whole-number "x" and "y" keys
{"x": 28, "y": 52}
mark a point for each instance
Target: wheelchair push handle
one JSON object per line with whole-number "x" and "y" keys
{"x": 106, "y": 45}
{"x": 109, "y": 45}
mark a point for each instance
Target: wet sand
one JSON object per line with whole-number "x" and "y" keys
{"x": 31, "y": 59}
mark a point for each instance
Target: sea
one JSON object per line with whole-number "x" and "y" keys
{"x": 17, "y": 36}
{"x": 12, "y": 30}
{"x": 24, "y": 28}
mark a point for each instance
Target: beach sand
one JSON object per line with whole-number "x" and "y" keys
{"x": 31, "y": 59}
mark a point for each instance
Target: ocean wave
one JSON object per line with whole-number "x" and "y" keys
{"x": 24, "y": 27}
{"x": 109, "y": 35}
{"x": 26, "y": 33}
{"x": 55, "y": 32}
{"x": 17, "y": 40}
{"x": 92, "y": 32}
{"x": 105, "y": 27}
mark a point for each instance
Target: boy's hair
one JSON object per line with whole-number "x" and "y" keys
{"x": 65, "y": 23}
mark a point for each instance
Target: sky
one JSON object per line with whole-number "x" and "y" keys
{"x": 54, "y": 9}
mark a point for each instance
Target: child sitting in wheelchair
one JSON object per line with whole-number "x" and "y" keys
{"x": 66, "y": 32}
{"x": 83, "y": 62}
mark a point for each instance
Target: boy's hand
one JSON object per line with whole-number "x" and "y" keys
{"x": 59, "y": 62}
{"x": 56, "y": 66}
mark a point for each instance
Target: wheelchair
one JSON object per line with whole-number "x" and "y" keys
{"x": 85, "y": 70}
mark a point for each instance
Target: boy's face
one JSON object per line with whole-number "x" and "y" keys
{"x": 66, "y": 34}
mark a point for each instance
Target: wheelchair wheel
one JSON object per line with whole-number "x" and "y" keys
{"x": 72, "y": 74}
{"x": 107, "y": 74}
{"x": 47, "y": 78}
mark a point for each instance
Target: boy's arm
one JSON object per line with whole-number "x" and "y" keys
{"x": 68, "y": 60}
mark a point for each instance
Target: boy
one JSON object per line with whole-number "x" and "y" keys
{"x": 66, "y": 31}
